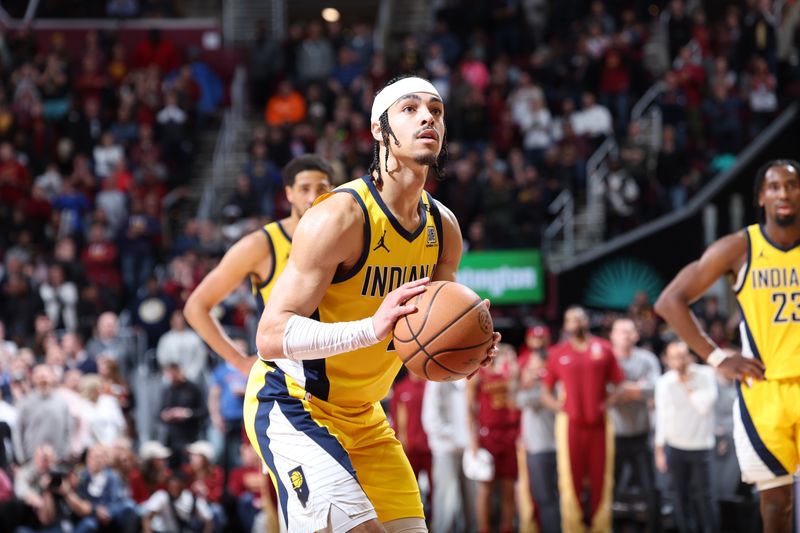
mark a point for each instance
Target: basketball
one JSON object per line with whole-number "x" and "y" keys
{"x": 447, "y": 337}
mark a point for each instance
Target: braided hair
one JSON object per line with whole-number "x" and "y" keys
{"x": 386, "y": 131}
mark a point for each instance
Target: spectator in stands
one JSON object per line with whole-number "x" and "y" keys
{"x": 244, "y": 198}
{"x": 102, "y": 412}
{"x": 206, "y": 480}
{"x": 183, "y": 412}
{"x": 631, "y": 417}
{"x": 497, "y": 196}
{"x": 314, "y": 55}
{"x": 156, "y": 50}
{"x": 60, "y": 297}
{"x": 173, "y": 128}
{"x": 684, "y": 436}
{"x": 100, "y": 501}
{"x": 152, "y": 473}
{"x": 444, "y": 418}
{"x": 225, "y": 404}
{"x": 107, "y": 342}
{"x": 34, "y": 486}
{"x": 265, "y": 178}
{"x": 535, "y": 128}
{"x": 75, "y": 354}
{"x": 19, "y": 303}
{"x": 679, "y": 27}
{"x": 106, "y": 155}
{"x": 405, "y": 411}
{"x": 175, "y": 508}
{"x": 43, "y": 417}
{"x": 761, "y": 86}
{"x": 593, "y": 120}
{"x": 538, "y": 430}
{"x": 14, "y": 176}
{"x": 244, "y": 484}
{"x": 183, "y": 347}
{"x": 139, "y": 235}
{"x": 286, "y": 107}
{"x": 71, "y": 205}
{"x": 722, "y": 114}
{"x": 80, "y": 433}
{"x": 114, "y": 385}
{"x": 672, "y": 169}
{"x": 100, "y": 259}
{"x": 152, "y": 310}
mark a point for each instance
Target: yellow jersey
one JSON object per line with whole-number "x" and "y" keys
{"x": 391, "y": 256}
{"x": 768, "y": 293}
{"x": 279, "y": 245}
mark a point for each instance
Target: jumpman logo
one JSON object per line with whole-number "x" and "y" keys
{"x": 381, "y": 243}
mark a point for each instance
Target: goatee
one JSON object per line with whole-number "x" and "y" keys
{"x": 785, "y": 221}
{"x": 427, "y": 159}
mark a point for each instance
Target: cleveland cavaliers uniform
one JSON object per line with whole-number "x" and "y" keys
{"x": 767, "y": 413}
{"x": 280, "y": 244}
{"x": 318, "y": 425}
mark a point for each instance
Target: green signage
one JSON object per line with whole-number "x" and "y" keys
{"x": 504, "y": 276}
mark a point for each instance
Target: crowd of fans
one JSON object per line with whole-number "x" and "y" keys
{"x": 531, "y": 92}
{"x": 96, "y": 264}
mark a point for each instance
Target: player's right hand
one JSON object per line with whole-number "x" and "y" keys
{"x": 740, "y": 367}
{"x": 395, "y": 306}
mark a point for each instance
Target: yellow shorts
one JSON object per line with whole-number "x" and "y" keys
{"x": 319, "y": 454}
{"x": 766, "y": 420}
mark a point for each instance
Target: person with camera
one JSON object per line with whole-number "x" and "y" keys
{"x": 38, "y": 484}
{"x": 98, "y": 499}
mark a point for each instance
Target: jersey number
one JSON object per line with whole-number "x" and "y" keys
{"x": 781, "y": 298}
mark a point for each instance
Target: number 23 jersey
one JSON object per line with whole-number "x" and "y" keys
{"x": 769, "y": 300}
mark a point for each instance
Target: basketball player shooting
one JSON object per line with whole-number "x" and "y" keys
{"x": 763, "y": 260}
{"x": 312, "y": 406}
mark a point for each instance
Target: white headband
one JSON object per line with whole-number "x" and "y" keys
{"x": 392, "y": 93}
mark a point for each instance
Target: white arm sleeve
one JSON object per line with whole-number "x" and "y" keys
{"x": 305, "y": 338}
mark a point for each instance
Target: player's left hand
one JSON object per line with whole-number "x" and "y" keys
{"x": 492, "y": 350}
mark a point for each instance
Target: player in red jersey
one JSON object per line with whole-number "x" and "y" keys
{"x": 494, "y": 426}
{"x": 584, "y": 365}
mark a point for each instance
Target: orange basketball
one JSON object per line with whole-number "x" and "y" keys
{"x": 447, "y": 337}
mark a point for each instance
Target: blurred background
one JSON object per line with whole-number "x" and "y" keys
{"x": 593, "y": 148}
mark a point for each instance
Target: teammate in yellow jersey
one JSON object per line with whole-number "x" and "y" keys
{"x": 764, "y": 262}
{"x": 312, "y": 405}
{"x": 260, "y": 256}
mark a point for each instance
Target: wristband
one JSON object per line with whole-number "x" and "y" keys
{"x": 716, "y": 357}
{"x": 305, "y": 338}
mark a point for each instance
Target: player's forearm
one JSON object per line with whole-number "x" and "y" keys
{"x": 198, "y": 316}
{"x": 301, "y": 338}
{"x": 675, "y": 310}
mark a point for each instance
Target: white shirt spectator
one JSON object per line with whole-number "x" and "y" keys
{"x": 684, "y": 410}
{"x": 105, "y": 420}
{"x": 106, "y": 158}
{"x": 444, "y": 416}
{"x": 186, "y": 348}
{"x": 50, "y": 182}
{"x": 61, "y": 303}
{"x": 171, "y": 113}
{"x": 593, "y": 121}
{"x": 536, "y": 126}
{"x": 185, "y": 506}
{"x": 519, "y": 102}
